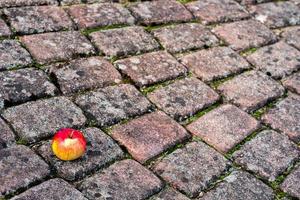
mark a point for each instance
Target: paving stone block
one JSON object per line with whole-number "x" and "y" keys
{"x": 269, "y": 154}
{"x": 291, "y": 183}
{"x": 151, "y": 68}
{"x": 224, "y": 127}
{"x": 184, "y": 37}
{"x": 276, "y": 14}
{"x": 285, "y": 116}
{"x": 251, "y": 90}
{"x": 192, "y": 168}
{"x": 246, "y": 34}
{"x": 251, "y": 2}
{"x": 59, "y": 46}
{"x": 38, "y": 19}
{"x": 160, "y": 12}
{"x": 100, "y": 15}
{"x": 124, "y": 180}
{"x": 4, "y": 29}
{"x": 24, "y": 84}
{"x": 293, "y": 82}
{"x": 112, "y": 104}
{"x": 291, "y": 36}
{"x": 7, "y": 137}
{"x": 215, "y": 63}
{"x": 17, "y": 3}
{"x": 36, "y": 120}
{"x": 277, "y": 60}
{"x": 13, "y": 55}
{"x": 184, "y": 98}
{"x": 84, "y": 73}
{"x": 127, "y": 41}
{"x": 100, "y": 150}
{"x": 216, "y": 11}
{"x": 149, "y": 135}
{"x": 19, "y": 168}
{"x": 69, "y": 2}
{"x": 50, "y": 190}
{"x": 240, "y": 185}
{"x": 169, "y": 194}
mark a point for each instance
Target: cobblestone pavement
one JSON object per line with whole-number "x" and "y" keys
{"x": 177, "y": 99}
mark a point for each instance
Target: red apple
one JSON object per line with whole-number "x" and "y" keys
{"x": 68, "y": 144}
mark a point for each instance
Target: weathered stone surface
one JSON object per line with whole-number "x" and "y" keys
{"x": 100, "y": 150}
{"x": 149, "y": 135}
{"x": 291, "y": 183}
{"x": 19, "y": 168}
{"x": 246, "y": 34}
{"x": 276, "y": 14}
{"x": 184, "y": 98}
{"x": 224, "y": 127}
{"x": 38, "y": 19}
{"x": 269, "y": 154}
{"x": 159, "y": 12}
{"x": 215, "y": 63}
{"x": 24, "y": 84}
{"x": 51, "y": 190}
{"x": 251, "y": 90}
{"x": 7, "y": 137}
{"x": 250, "y": 2}
{"x": 15, "y": 3}
{"x": 277, "y": 60}
{"x": 100, "y": 15}
{"x": 216, "y": 11}
{"x": 13, "y": 55}
{"x": 60, "y": 46}
{"x": 112, "y": 104}
{"x": 291, "y": 36}
{"x": 183, "y": 37}
{"x": 285, "y": 116}
{"x": 169, "y": 194}
{"x": 84, "y": 73}
{"x": 4, "y": 29}
{"x": 151, "y": 68}
{"x": 192, "y": 168}
{"x": 240, "y": 185}
{"x": 69, "y": 2}
{"x": 36, "y": 120}
{"x": 293, "y": 82}
{"x": 127, "y": 41}
{"x": 124, "y": 180}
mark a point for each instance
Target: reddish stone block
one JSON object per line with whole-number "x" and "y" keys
{"x": 149, "y": 135}
{"x": 216, "y": 11}
{"x": 126, "y": 180}
{"x": 60, "y": 46}
{"x": 100, "y": 15}
{"x": 243, "y": 35}
{"x": 38, "y": 19}
{"x": 224, "y": 127}
{"x": 84, "y": 73}
{"x": 291, "y": 36}
{"x": 184, "y": 98}
{"x": 127, "y": 41}
{"x": 151, "y": 68}
{"x": 215, "y": 63}
{"x": 4, "y": 29}
{"x": 184, "y": 37}
{"x": 159, "y": 12}
{"x": 293, "y": 82}
{"x": 285, "y": 116}
{"x": 251, "y": 90}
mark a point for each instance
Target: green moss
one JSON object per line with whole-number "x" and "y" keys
{"x": 22, "y": 141}
{"x": 185, "y": 1}
{"x": 215, "y": 84}
{"x": 248, "y": 51}
{"x": 91, "y": 30}
{"x": 258, "y": 113}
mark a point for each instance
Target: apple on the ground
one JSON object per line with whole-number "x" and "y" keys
{"x": 68, "y": 144}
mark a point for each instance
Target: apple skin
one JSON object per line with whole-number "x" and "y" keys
{"x": 68, "y": 144}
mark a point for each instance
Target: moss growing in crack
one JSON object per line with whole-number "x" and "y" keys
{"x": 91, "y": 30}
{"x": 22, "y": 141}
{"x": 185, "y": 1}
{"x": 200, "y": 114}
{"x": 215, "y": 84}
{"x": 248, "y": 51}
{"x": 247, "y": 139}
{"x": 260, "y": 112}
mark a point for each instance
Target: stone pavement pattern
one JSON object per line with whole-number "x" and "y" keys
{"x": 177, "y": 99}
